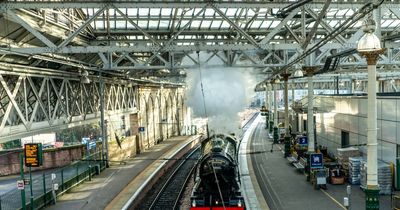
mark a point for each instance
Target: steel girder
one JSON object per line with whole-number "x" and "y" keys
{"x": 35, "y": 103}
{"x": 353, "y": 84}
{"x": 271, "y": 47}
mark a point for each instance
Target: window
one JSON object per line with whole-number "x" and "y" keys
{"x": 345, "y": 139}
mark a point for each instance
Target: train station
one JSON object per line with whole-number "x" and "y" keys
{"x": 200, "y": 105}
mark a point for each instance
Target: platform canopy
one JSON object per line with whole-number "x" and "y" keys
{"x": 159, "y": 39}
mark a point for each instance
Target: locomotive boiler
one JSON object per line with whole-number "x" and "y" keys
{"x": 217, "y": 177}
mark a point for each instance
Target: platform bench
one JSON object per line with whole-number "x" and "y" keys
{"x": 300, "y": 164}
{"x": 293, "y": 158}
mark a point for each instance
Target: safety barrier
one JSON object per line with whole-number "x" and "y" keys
{"x": 66, "y": 178}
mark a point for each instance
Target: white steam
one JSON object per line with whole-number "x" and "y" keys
{"x": 227, "y": 91}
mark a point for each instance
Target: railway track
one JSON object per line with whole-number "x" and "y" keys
{"x": 167, "y": 193}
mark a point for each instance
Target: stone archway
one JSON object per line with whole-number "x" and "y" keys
{"x": 143, "y": 144}
{"x": 157, "y": 119}
{"x": 169, "y": 112}
{"x": 150, "y": 121}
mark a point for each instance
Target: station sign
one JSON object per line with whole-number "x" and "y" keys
{"x": 303, "y": 140}
{"x": 33, "y": 154}
{"x": 141, "y": 129}
{"x": 316, "y": 161}
{"x": 20, "y": 184}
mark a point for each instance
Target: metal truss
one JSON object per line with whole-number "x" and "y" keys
{"x": 354, "y": 83}
{"x": 134, "y": 37}
{"x": 35, "y": 103}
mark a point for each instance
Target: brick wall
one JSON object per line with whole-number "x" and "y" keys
{"x": 52, "y": 158}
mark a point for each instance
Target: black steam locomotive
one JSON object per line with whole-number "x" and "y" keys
{"x": 217, "y": 177}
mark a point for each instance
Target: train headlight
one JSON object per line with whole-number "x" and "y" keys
{"x": 194, "y": 203}
{"x": 239, "y": 204}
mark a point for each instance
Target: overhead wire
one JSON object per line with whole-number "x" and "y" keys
{"x": 201, "y": 86}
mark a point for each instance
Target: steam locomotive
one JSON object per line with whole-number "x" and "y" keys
{"x": 217, "y": 184}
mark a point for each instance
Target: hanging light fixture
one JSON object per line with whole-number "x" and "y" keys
{"x": 369, "y": 41}
{"x": 277, "y": 79}
{"x": 298, "y": 73}
{"x": 84, "y": 76}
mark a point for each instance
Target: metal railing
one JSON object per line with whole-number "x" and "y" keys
{"x": 66, "y": 178}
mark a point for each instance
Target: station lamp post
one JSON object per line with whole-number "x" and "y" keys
{"x": 369, "y": 46}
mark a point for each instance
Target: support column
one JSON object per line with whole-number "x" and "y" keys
{"x": 276, "y": 129}
{"x": 372, "y": 190}
{"x": 271, "y": 115}
{"x": 267, "y": 116}
{"x": 285, "y": 77}
{"x": 310, "y": 109}
{"x": 294, "y": 116}
{"x": 102, "y": 123}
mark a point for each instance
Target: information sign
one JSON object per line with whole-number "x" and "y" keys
{"x": 27, "y": 181}
{"x": 20, "y": 184}
{"x": 33, "y": 155}
{"x": 303, "y": 140}
{"x": 316, "y": 161}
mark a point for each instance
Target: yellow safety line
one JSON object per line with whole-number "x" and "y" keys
{"x": 337, "y": 202}
{"x": 327, "y": 194}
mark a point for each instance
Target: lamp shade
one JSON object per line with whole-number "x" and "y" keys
{"x": 298, "y": 73}
{"x": 368, "y": 43}
{"x": 85, "y": 80}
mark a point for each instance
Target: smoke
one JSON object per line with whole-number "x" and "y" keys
{"x": 227, "y": 91}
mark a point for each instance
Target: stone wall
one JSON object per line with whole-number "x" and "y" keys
{"x": 52, "y": 158}
{"x": 127, "y": 149}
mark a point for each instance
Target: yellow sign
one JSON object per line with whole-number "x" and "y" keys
{"x": 32, "y": 155}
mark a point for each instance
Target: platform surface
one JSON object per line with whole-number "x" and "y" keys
{"x": 284, "y": 188}
{"x": 102, "y": 190}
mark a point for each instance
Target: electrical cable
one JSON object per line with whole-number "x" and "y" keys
{"x": 201, "y": 86}
{"x": 202, "y": 93}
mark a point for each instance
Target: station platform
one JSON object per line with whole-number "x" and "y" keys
{"x": 122, "y": 183}
{"x": 284, "y": 187}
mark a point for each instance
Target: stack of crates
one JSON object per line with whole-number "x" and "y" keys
{"x": 343, "y": 157}
{"x": 384, "y": 177}
{"x": 355, "y": 170}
